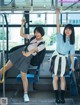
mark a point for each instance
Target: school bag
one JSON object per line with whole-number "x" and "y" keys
{"x": 38, "y": 58}
{"x": 73, "y": 85}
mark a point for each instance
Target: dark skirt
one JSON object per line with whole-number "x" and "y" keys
{"x": 21, "y": 62}
{"x": 59, "y": 65}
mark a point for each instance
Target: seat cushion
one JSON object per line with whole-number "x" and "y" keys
{"x": 31, "y": 78}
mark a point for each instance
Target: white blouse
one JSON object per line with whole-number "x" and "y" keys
{"x": 33, "y": 44}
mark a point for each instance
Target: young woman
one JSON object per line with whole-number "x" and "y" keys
{"x": 65, "y": 45}
{"x": 21, "y": 59}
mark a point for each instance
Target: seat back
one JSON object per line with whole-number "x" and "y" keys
{"x": 15, "y": 48}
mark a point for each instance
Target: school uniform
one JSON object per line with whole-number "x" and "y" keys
{"x": 59, "y": 61}
{"x": 21, "y": 62}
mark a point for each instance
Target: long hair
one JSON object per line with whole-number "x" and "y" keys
{"x": 72, "y": 36}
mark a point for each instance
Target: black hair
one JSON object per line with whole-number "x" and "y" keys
{"x": 72, "y": 36}
{"x": 40, "y": 30}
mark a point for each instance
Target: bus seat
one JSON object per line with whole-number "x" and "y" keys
{"x": 32, "y": 75}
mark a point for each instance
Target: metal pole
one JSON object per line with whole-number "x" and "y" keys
{"x": 3, "y": 81}
{"x": 3, "y": 54}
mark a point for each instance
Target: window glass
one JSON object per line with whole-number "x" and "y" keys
{"x": 51, "y": 19}
{"x": 14, "y": 18}
{"x": 37, "y": 18}
{"x": 44, "y": 18}
{"x": 63, "y": 18}
{"x": 77, "y": 38}
{"x": 3, "y": 38}
{"x": 14, "y": 37}
{"x": 74, "y": 18}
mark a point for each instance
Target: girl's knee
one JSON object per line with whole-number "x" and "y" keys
{"x": 62, "y": 78}
{"x": 23, "y": 76}
{"x": 55, "y": 78}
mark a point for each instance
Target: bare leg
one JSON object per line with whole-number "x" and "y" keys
{"x": 55, "y": 83}
{"x": 25, "y": 82}
{"x": 7, "y": 66}
{"x": 25, "y": 86}
{"x": 63, "y": 83}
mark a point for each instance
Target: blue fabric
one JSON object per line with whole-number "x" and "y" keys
{"x": 73, "y": 84}
{"x": 0, "y": 76}
{"x": 31, "y": 78}
{"x": 62, "y": 47}
{"x": 28, "y": 76}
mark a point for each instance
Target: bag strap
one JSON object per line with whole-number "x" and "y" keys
{"x": 32, "y": 38}
{"x": 41, "y": 43}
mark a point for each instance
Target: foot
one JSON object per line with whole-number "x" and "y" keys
{"x": 26, "y": 98}
{"x": 62, "y": 101}
{"x": 57, "y": 101}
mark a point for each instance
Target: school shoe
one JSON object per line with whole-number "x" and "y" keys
{"x": 57, "y": 101}
{"x": 26, "y": 98}
{"x": 62, "y": 101}
{"x": 57, "y": 96}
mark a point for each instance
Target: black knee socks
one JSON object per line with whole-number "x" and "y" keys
{"x": 56, "y": 94}
{"x": 62, "y": 94}
{"x": 61, "y": 98}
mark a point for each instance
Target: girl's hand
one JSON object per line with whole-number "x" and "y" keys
{"x": 73, "y": 69}
{"x": 26, "y": 54}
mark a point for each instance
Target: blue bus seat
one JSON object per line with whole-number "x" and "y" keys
{"x": 32, "y": 75}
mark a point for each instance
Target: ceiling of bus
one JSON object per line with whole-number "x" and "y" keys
{"x": 39, "y": 5}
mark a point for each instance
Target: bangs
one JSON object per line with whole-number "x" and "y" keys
{"x": 72, "y": 36}
{"x": 69, "y": 26}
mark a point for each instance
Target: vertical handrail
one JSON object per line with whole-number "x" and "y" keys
{"x": 3, "y": 51}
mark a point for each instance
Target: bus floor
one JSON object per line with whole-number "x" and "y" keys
{"x": 39, "y": 98}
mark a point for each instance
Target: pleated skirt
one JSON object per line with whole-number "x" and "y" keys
{"x": 19, "y": 61}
